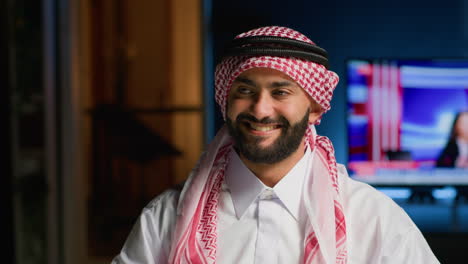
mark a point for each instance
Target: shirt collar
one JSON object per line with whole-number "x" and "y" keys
{"x": 245, "y": 187}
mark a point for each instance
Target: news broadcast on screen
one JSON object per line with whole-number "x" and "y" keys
{"x": 407, "y": 120}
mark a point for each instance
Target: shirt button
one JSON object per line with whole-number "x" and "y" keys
{"x": 268, "y": 194}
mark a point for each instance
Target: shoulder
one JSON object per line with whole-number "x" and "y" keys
{"x": 362, "y": 201}
{"x": 150, "y": 238}
{"x": 377, "y": 228}
{"x": 166, "y": 200}
{"x": 352, "y": 190}
{"x": 162, "y": 212}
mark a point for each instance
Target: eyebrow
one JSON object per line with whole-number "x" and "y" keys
{"x": 272, "y": 85}
{"x": 281, "y": 84}
{"x": 245, "y": 81}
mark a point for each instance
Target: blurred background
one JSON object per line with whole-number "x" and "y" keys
{"x": 107, "y": 103}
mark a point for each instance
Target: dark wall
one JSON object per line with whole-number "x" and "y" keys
{"x": 353, "y": 29}
{"x": 8, "y": 226}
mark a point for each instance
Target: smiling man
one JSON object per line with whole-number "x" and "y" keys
{"x": 271, "y": 113}
{"x": 268, "y": 188}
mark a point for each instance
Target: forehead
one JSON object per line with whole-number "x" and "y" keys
{"x": 265, "y": 75}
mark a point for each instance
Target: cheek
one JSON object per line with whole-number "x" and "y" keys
{"x": 231, "y": 111}
{"x": 235, "y": 107}
{"x": 297, "y": 109}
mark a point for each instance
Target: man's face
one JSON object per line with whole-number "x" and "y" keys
{"x": 268, "y": 114}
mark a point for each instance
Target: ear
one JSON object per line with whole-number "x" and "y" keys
{"x": 316, "y": 112}
{"x": 314, "y": 116}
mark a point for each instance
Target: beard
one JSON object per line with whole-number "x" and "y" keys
{"x": 286, "y": 144}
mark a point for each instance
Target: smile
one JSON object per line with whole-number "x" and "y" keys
{"x": 263, "y": 128}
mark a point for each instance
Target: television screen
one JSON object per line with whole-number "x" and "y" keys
{"x": 401, "y": 121}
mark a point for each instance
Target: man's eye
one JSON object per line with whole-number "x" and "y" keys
{"x": 280, "y": 93}
{"x": 244, "y": 90}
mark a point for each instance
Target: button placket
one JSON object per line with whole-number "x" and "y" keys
{"x": 267, "y": 237}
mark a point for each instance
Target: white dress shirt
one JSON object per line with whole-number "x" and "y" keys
{"x": 257, "y": 224}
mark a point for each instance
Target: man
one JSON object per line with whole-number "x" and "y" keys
{"x": 268, "y": 189}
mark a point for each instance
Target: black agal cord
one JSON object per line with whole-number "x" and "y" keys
{"x": 277, "y": 46}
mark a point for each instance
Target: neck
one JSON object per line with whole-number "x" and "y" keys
{"x": 271, "y": 174}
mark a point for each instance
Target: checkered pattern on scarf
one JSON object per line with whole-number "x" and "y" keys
{"x": 195, "y": 236}
{"x": 314, "y": 78}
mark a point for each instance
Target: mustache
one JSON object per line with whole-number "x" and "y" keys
{"x": 266, "y": 120}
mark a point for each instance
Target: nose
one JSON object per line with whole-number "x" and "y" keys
{"x": 262, "y": 106}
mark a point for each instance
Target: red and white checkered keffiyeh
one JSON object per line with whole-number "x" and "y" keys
{"x": 195, "y": 236}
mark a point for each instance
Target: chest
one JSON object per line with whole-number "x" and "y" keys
{"x": 265, "y": 233}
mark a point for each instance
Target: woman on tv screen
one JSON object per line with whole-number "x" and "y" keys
{"x": 455, "y": 152}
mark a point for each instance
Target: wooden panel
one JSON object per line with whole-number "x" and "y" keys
{"x": 186, "y": 80}
{"x": 144, "y": 55}
{"x": 103, "y": 33}
{"x": 160, "y": 123}
{"x": 186, "y": 65}
{"x": 187, "y": 129}
{"x": 148, "y": 54}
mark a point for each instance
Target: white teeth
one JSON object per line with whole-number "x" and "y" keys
{"x": 262, "y": 128}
